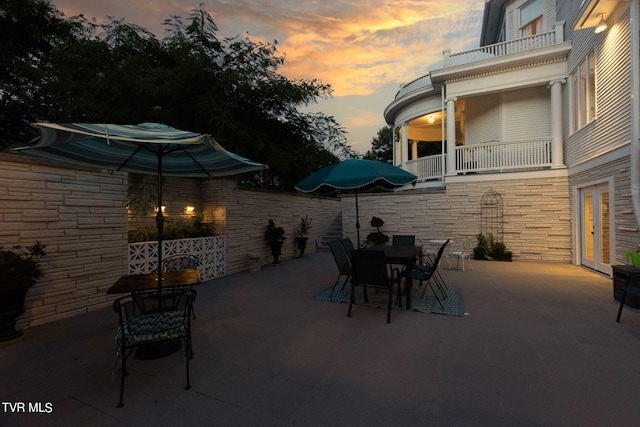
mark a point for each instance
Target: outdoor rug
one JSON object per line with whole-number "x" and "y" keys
{"x": 422, "y": 299}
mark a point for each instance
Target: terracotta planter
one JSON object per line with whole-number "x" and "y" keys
{"x": 11, "y": 307}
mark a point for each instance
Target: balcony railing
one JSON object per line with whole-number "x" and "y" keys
{"x": 419, "y": 83}
{"x": 502, "y": 156}
{"x": 505, "y": 48}
{"x": 426, "y": 168}
{"x": 489, "y": 157}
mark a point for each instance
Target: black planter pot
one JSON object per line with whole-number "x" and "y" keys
{"x": 302, "y": 244}
{"x": 11, "y": 307}
{"x": 494, "y": 257}
{"x": 276, "y": 250}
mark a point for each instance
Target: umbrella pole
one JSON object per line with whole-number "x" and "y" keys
{"x": 159, "y": 220}
{"x": 357, "y": 221}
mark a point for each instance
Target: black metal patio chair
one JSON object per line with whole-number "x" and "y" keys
{"x": 369, "y": 268}
{"x": 152, "y": 317}
{"x": 342, "y": 262}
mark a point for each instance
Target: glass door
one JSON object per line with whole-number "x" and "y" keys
{"x": 595, "y": 228}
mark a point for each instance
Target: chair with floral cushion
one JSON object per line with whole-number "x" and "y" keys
{"x": 151, "y": 317}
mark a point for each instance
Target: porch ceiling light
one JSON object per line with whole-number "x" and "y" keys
{"x": 602, "y": 25}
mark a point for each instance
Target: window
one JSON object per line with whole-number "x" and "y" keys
{"x": 531, "y": 18}
{"x": 583, "y": 93}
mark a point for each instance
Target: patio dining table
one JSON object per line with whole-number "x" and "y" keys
{"x": 149, "y": 281}
{"x": 404, "y": 255}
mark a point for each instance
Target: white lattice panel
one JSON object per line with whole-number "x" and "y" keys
{"x": 211, "y": 252}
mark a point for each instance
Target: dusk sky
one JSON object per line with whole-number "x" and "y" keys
{"x": 365, "y": 50}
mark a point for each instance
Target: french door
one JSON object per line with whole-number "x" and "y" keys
{"x": 595, "y": 228}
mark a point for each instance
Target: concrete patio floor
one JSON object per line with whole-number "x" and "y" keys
{"x": 540, "y": 347}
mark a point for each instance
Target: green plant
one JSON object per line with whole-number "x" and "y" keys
{"x": 487, "y": 247}
{"x": 20, "y": 266}
{"x": 274, "y": 233}
{"x": 377, "y": 237}
{"x": 303, "y": 228}
{"x": 175, "y": 230}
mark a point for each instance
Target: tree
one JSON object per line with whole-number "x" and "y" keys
{"x": 191, "y": 79}
{"x": 381, "y": 145}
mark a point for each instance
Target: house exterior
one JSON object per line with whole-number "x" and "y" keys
{"x": 550, "y": 96}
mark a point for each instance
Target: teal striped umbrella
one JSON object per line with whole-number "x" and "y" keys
{"x": 354, "y": 175}
{"x": 147, "y": 148}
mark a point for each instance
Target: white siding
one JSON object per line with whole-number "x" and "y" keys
{"x": 611, "y": 129}
{"x": 482, "y": 119}
{"x": 508, "y": 116}
{"x": 526, "y": 114}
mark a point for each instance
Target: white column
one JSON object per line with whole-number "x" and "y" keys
{"x": 414, "y": 150}
{"x": 557, "y": 156}
{"x": 451, "y": 136}
{"x": 395, "y": 146}
{"x": 404, "y": 144}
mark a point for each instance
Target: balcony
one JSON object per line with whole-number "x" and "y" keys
{"x": 544, "y": 46}
{"x": 490, "y": 157}
{"x": 505, "y": 48}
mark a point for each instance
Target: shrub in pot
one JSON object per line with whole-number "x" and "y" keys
{"x": 302, "y": 233}
{"x": 19, "y": 269}
{"x": 377, "y": 237}
{"x": 274, "y": 235}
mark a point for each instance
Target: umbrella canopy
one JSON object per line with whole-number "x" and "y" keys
{"x": 147, "y": 148}
{"x": 137, "y": 148}
{"x": 355, "y": 175}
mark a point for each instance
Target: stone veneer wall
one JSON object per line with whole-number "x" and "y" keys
{"x": 79, "y": 214}
{"x": 242, "y": 215}
{"x": 537, "y": 215}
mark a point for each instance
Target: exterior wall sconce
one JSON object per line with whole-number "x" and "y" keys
{"x": 602, "y": 25}
{"x": 164, "y": 208}
{"x": 189, "y": 209}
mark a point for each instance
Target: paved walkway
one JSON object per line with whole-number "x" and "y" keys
{"x": 540, "y": 348}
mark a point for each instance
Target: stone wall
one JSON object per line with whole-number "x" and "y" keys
{"x": 242, "y": 215}
{"x": 537, "y": 215}
{"x": 80, "y": 215}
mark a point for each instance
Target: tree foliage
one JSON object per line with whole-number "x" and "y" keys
{"x": 73, "y": 70}
{"x": 381, "y": 145}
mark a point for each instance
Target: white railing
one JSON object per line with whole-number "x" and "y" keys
{"x": 500, "y": 156}
{"x": 426, "y": 168}
{"x": 500, "y": 49}
{"x": 419, "y": 83}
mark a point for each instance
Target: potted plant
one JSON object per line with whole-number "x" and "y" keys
{"x": 20, "y": 269}
{"x": 377, "y": 237}
{"x": 302, "y": 233}
{"x": 490, "y": 249}
{"x": 274, "y": 235}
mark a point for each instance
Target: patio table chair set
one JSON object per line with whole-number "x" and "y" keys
{"x": 369, "y": 268}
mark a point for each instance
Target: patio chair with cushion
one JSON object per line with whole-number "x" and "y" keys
{"x": 182, "y": 262}
{"x": 403, "y": 240}
{"x": 427, "y": 271}
{"x": 369, "y": 268}
{"x": 152, "y": 317}
{"x": 342, "y": 262}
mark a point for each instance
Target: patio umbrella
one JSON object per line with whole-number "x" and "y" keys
{"x": 353, "y": 176}
{"x": 147, "y": 148}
